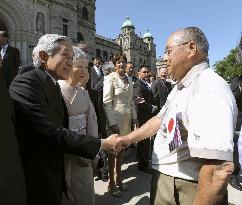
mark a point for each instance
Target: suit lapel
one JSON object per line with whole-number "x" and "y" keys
{"x": 145, "y": 86}
{"x": 53, "y": 95}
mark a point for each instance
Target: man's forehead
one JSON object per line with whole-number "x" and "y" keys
{"x": 144, "y": 69}
{"x": 66, "y": 47}
{"x": 174, "y": 39}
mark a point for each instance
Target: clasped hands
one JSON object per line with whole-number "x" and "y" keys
{"x": 114, "y": 144}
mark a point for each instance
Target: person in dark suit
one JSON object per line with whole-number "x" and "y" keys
{"x": 236, "y": 87}
{"x": 10, "y": 58}
{"x": 95, "y": 89}
{"x": 130, "y": 71}
{"x": 145, "y": 110}
{"x": 161, "y": 88}
{"x": 12, "y": 186}
{"x": 42, "y": 123}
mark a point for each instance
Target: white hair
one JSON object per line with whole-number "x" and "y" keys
{"x": 49, "y": 42}
{"x": 78, "y": 54}
{"x": 35, "y": 56}
{"x": 107, "y": 68}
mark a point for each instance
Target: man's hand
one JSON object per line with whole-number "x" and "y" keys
{"x": 123, "y": 142}
{"x": 212, "y": 183}
{"x": 115, "y": 129}
{"x": 109, "y": 145}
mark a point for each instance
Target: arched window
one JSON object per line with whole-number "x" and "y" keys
{"x": 98, "y": 52}
{"x": 40, "y": 23}
{"x": 105, "y": 56}
{"x": 84, "y": 13}
{"x": 80, "y": 37}
{"x": 2, "y": 25}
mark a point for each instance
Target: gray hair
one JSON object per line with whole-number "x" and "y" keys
{"x": 78, "y": 54}
{"x": 49, "y": 42}
{"x": 108, "y": 68}
{"x": 35, "y": 56}
{"x": 194, "y": 34}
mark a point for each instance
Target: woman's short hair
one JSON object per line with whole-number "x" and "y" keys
{"x": 78, "y": 54}
{"x": 118, "y": 56}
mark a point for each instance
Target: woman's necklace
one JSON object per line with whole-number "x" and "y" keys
{"x": 122, "y": 77}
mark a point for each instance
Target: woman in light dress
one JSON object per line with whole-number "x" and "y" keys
{"x": 120, "y": 111}
{"x": 82, "y": 119}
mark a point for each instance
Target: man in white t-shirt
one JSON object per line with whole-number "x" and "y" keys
{"x": 193, "y": 150}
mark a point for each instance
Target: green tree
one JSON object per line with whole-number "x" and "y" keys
{"x": 228, "y": 68}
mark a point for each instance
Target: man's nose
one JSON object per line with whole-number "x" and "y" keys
{"x": 165, "y": 58}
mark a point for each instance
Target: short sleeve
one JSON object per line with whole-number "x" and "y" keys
{"x": 211, "y": 126}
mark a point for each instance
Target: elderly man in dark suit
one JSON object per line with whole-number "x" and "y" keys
{"x": 10, "y": 58}
{"x": 161, "y": 88}
{"x": 12, "y": 187}
{"x": 42, "y": 123}
{"x": 145, "y": 110}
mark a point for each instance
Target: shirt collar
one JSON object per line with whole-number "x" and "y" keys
{"x": 143, "y": 81}
{"x": 4, "y": 47}
{"x": 192, "y": 74}
{"x": 96, "y": 68}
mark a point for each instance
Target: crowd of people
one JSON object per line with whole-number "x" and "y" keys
{"x": 67, "y": 118}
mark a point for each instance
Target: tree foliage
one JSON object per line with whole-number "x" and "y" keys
{"x": 228, "y": 68}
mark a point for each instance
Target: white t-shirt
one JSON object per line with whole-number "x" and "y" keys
{"x": 198, "y": 121}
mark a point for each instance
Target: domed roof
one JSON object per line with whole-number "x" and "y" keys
{"x": 147, "y": 34}
{"x": 127, "y": 23}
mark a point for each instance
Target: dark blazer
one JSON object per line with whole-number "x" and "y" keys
{"x": 144, "y": 110}
{"x": 161, "y": 89}
{"x": 10, "y": 64}
{"x": 12, "y": 186}
{"x": 44, "y": 137}
{"x": 95, "y": 90}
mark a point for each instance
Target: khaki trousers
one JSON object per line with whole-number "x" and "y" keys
{"x": 167, "y": 190}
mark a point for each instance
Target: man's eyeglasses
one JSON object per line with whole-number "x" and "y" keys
{"x": 169, "y": 49}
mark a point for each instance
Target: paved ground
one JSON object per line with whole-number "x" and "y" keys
{"x": 139, "y": 186}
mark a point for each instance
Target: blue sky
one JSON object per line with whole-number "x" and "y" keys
{"x": 220, "y": 20}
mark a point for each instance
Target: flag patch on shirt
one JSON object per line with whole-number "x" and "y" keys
{"x": 176, "y": 141}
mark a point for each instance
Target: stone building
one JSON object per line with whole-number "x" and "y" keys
{"x": 27, "y": 20}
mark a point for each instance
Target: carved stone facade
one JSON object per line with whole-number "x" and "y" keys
{"x": 27, "y": 20}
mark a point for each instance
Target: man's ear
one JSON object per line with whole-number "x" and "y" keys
{"x": 192, "y": 48}
{"x": 43, "y": 56}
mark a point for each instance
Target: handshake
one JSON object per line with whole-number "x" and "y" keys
{"x": 114, "y": 144}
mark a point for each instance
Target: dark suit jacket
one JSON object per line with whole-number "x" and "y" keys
{"x": 161, "y": 90}
{"x": 144, "y": 110}
{"x": 41, "y": 125}
{"x": 12, "y": 186}
{"x": 10, "y": 64}
{"x": 95, "y": 90}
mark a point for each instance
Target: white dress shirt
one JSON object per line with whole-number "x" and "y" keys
{"x": 3, "y": 50}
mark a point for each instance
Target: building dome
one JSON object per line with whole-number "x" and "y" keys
{"x": 147, "y": 34}
{"x": 127, "y": 23}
